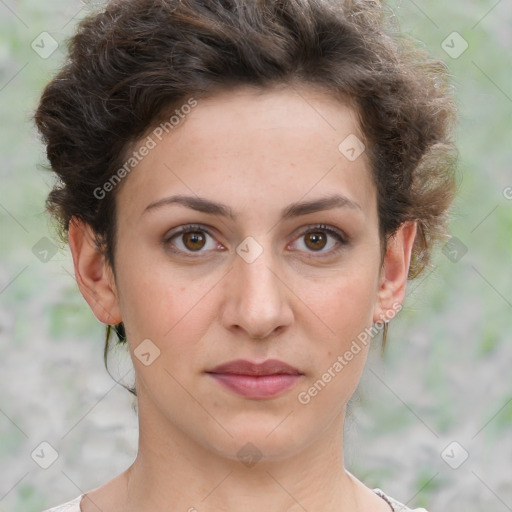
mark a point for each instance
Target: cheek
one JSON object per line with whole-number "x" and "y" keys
{"x": 346, "y": 308}
{"x": 165, "y": 304}
{"x": 345, "y": 303}
{"x": 152, "y": 306}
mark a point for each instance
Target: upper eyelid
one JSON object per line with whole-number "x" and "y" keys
{"x": 188, "y": 227}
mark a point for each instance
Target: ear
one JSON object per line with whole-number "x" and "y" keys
{"x": 394, "y": 271}
{"x": 93, "y": 275}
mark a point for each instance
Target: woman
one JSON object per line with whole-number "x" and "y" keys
{"x": 246, "y": 188}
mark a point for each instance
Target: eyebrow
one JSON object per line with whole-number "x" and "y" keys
{"x": 293, "y": 210}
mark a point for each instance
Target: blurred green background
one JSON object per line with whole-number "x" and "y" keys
{"x": 443, "y": 390}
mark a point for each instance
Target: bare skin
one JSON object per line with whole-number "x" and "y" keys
{"x": 204, "y": 305}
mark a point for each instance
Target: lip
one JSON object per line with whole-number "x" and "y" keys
{"x": 256, "y": 380}
{"x": 244, "y": 367}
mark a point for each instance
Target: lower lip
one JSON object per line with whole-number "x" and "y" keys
{"x": 264, "y": 386}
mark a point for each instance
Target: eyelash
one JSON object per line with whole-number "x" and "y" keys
{"x": 341, "y": 238}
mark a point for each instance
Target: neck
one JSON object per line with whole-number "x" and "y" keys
{"x": 174, "y": 472}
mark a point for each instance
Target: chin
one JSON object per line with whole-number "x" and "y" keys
{"x": 258, "y": 443}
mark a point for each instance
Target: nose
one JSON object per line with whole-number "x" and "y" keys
{"x": 257, "y": 297}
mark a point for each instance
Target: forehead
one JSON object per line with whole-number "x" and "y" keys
{"x": 274, "y": 116}
{"x": 254, "y": 147}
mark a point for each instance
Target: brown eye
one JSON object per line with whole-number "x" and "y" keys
{"x": 191, "y": 239}
{"x": 315, "y": 240}
{"x": 321, "y": 239}
{"x": 194, "y": 240}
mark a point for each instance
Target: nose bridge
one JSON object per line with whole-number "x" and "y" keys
{"x": 258, "y": 294}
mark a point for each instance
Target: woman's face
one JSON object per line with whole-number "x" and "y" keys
{"x": 264, "y": 281}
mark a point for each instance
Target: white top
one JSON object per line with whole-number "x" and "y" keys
{"x": 395, "y": 506}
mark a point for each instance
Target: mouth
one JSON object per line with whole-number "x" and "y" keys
{"x": 256, "y": 380}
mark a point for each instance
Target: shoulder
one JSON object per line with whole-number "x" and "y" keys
{"x": 396, "y": 505}
{"x": 70, "y": 506}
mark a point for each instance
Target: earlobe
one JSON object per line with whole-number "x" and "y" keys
{"x": 394, "y": 271}
{"x": 93, "y": 275}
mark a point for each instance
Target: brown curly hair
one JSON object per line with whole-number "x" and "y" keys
{"x": 137, "y": 60}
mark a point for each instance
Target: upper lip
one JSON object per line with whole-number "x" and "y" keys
{"x": 268, "y": 367}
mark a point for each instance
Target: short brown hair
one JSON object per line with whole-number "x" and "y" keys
{"x": 138, "y": 59}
